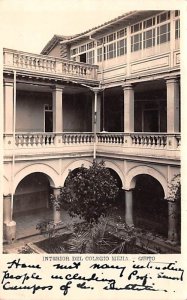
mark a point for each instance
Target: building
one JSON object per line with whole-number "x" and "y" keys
{"x": 112, "y": 93}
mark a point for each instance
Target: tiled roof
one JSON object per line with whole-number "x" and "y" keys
{"x": 115, "y": 20}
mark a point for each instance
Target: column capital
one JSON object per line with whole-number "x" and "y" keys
{"x": 8, "y": 82}
{"x": 58, "y": 188}
{"x": 58, "y": 87}
{"x": 96, "y": 90}
{"x": 171, "y": 79}
{"x": 127, "y": 85}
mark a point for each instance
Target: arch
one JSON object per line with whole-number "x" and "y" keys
{"x": 115, "y": 167}
{"x": 41, "y": 168}
{"x": 74, "y": 165}
{"x": 131, "y": 180}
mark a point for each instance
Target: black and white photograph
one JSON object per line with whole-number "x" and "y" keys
{"x": 92, "y": 104}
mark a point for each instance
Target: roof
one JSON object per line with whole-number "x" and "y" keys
{"x": 53, "y": 42}
{"x": 127, "y": 18}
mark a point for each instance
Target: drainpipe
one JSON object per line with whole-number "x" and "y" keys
{"x": 95, "y": 124}
{"x": 13, "y": 147}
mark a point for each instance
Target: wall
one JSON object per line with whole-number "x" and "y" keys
{"x": 30, "y": 111}
{"x": 55, "y": 51}
{"x": 77, "y": 115}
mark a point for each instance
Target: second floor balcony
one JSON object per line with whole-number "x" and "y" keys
{"x": 160, "y": 145}
{"x": 45, "y": 65}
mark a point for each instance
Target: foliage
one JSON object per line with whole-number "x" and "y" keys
{"x": 175, "y": 189}
{"x": 25, "y": 250}
{"x": 104, "y": 236}
{"x": 88, "y": 194}
{"x": 49, "y": 228}
{"x": 107, "y": 235}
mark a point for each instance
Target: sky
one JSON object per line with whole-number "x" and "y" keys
{"x": 28, "y": 25}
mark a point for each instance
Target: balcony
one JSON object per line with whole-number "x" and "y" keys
{"x": 46, "y": 65}
{"x": 160, "y": 145}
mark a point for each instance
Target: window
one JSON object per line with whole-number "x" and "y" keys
{"x": 90, "y": 45}
{"x": 99, "y": 54}
{"x": 82, "y": 48}
{"x": 136, "y": 27}
{"x": 111, "y": 37}
{"x": 177, "y": 29}
{"x": 121, "y": 33}
{"x": 136, "y": 42}
{"x": 122, "y": 47}
{"x": 90, "y": 57}
{"x": 177, "y": 13}
{"x": 149, "y": 38}
{"x": 111, "y": 51}
{"x": 148, "y": 23}
{"x": 163, "y": 33}
{"x": 163, "y": 17}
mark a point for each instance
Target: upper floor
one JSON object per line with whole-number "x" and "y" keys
{"x": 133, "y": 45}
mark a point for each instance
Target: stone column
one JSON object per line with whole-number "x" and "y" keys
{"x": 96, "y": 110}
{"x": 8, "y": 114}
{"x": 128, "y": 208}
{"x": 9, "y": 224}
{"x": 57, "y": 109}
{"x": 172, "y": 222}
{"x": 95, "y": 117}
{"x": 172, "y": 104}
{"x": 8, "y": 106}
{"x": 128, "y": 107}
{"x": 56, "y": 212}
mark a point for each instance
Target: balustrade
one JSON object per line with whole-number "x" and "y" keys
{"x": 77, "y": 138}
{"x": 149, "y": 140}
{"x": 110, "y": 138}
{"x": 136, "y": 141}
{"x": 34, "y": 139}
{"x": 42, "y": 63}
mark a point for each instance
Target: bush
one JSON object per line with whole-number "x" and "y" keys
{"x": 89, "y": 194}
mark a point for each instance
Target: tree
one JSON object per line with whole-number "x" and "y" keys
{"x": 89, "y": 193}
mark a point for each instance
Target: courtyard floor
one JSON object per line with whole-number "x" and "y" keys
{"x": 26, "y": 228}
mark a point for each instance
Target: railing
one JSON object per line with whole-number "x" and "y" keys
{"x": 133, "y": 141}
{"x": 77, "y": 138}
{"x": 43, "y": 63}
{"x": 110, "y": 138}
{"x": 149, "y": 140}
{"x": 34, "y": 139}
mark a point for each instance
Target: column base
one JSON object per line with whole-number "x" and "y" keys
{"x": 56, "y": 216}
{"x": 10, "y": 231}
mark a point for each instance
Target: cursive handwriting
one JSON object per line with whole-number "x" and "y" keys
{"x": 106, "y": 266}
{"x": 152, "y": 276}
{"x": 16, "y": 263}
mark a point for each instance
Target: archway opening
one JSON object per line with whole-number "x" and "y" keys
{"x": 31, "y": 203}
{"x": 149, "y": 207}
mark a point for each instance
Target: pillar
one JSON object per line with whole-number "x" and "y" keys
{"x": 8, "y": 106}
{"x": 172, "y": 104}
{"x": 56, "y": 212}
{"x": 9, "y": 224}
{"x": 95, "y": 117}
{"x": 172, "y": 222}
{"x": 128, "y": 208}
{"x": 128, "y": 107}
{"x": 96, "y": 110}
{"x": 57, "y": 109}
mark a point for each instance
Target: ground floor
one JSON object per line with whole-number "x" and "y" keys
{"x": 142, "y": 201}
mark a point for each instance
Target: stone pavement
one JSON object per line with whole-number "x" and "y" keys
{"x": 26, "y": 228}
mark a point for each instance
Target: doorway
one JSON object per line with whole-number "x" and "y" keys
{"x": 48, "y": 118}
